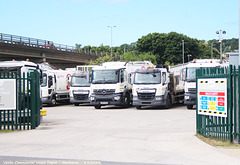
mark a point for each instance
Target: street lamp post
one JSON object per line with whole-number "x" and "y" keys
{"x": 220, "y": 38}
{"x": 183, "y": 50}
{"x": 111, "y": 36}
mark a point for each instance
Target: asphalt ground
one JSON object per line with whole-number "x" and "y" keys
{"x": 114, "y": 135}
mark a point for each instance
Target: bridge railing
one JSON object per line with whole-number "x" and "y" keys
{"x": 45, "y": 44}
{"x": 32, "y": 42}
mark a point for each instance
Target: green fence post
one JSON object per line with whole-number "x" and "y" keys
{"x": 32, "y": 100}
{"x": 230, "y": 117}
{"x": 238, "y": 112}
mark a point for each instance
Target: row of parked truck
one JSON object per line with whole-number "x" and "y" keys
{"x": 139, "y": 83}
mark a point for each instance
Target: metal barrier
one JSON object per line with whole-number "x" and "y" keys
{"x": 32, "y": 42}
{"x": 27, "y": 112}
{"x": 223, "y": 128}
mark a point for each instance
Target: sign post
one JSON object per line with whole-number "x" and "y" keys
{"x": 212, "y": 97}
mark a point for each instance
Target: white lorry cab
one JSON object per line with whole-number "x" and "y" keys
{"x": 158, "y": 87}
{"x": 81, "y": 85}
{"x": 190, "y": 83}
{"x": 22, "y": 68}
{"x": 55, "y": 86}
{"x": 112, "y": 83}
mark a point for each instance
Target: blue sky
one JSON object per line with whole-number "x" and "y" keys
{"x": 85, "y": 21}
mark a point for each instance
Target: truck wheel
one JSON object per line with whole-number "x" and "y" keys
{"x": 53, "y": 102}
{"x": 127, "y": 101}
{"x": 76, "y": 104}
{"x": 168, "y": 102}
{"x": 189, "y": 106}
{"x": 138, "y": 107}
{"x": 97, "y": 106}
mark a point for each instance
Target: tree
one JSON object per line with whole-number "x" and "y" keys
{"x": 169, "y": 47}
{"x": 100, "y": 60}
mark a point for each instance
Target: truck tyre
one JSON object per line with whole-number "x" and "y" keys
{"x": 97, "y": 106}
{"x": 76, "y": 104}
{"x": 53, "y": 101}
{"x": 189, "y": 106}
{"x": 127, "y": 101}
{"x": 168, "y": 102}
{"x": 138, "y": 107}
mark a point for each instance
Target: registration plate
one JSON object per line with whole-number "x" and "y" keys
{"x": 103, "y": 102}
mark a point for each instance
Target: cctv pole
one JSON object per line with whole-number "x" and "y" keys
{"x": 111, "y": 37}
{"x": 183, "y": 50}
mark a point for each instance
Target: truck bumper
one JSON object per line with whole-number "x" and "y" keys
{"x": 46, "y": 100}
{"x": 114, "y": 99}
{"x": 189, "y": 99}
{"x": 156, "y": 101}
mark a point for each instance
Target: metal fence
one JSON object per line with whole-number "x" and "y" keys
{"x": 223, "y": 128}
{"x": 27, "y": 112}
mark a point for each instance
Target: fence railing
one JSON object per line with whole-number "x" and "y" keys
{"x": 224, "y": 128}
{"x": 26, "y": 115}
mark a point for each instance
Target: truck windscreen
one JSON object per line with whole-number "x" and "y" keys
{"x": 80, "y": 81}
{"x": 105, "y": 76}
{"x": 44, "y": 80}
{"x": 147, "y": 78}
{"x": 191, "y": 74}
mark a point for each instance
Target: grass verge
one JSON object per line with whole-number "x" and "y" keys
{"x": 216, "y": 142}
{"x": 6, "y": 131}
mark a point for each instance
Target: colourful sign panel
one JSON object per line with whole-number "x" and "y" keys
{"x": 212, "y": 97}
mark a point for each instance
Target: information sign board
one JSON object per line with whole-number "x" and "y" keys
{"x": 212, "y": 96}
{"x": 7, "y": 94}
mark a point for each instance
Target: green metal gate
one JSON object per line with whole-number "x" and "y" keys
{"x": 223, "y": 128}
{"x": 27, "y": 112}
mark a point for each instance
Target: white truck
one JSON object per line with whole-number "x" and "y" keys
{"x": 81, "y": 85}
{"x": 23, "y": 68}
{"x": 158, "y": 87}
{"x": 112, "y": 83}
{"x": 190, "y": 83}
{"x": 55, "y": 86}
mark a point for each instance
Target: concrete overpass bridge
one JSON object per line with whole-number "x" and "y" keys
{"x": 38, "y": 51}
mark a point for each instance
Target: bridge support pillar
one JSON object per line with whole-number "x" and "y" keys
{"x": 44, "y": 57}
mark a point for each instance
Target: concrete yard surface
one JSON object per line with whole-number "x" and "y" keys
{"x": 113, "y": 134}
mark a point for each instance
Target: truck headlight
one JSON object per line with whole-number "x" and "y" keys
{"x": 135, "y": 98}
{"x": 186, "y": 97}
{"x": 117, "y": 97}
{"x": 158, "y": 98}
{"x": 92, "y": 98}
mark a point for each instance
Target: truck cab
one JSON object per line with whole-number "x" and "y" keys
{"x": 80, "y": 87}
{"x": 55, "y": 86}
{"x": 149, "y": 87}
{"x": 190, "y": 82}
{"x": 22, "y": 69}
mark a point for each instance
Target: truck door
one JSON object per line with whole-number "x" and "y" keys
{"x": 164, "y": 80}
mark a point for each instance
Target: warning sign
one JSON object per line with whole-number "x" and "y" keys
{"x": 212, "y": 97}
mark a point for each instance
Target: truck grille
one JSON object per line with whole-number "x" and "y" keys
{"x": 192, "y": 90}
{"x": 81, "y": 97}
{"x": 104, "y": 91}
{"x": 146, "y": 96}
{"x": 104, "y": 100}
